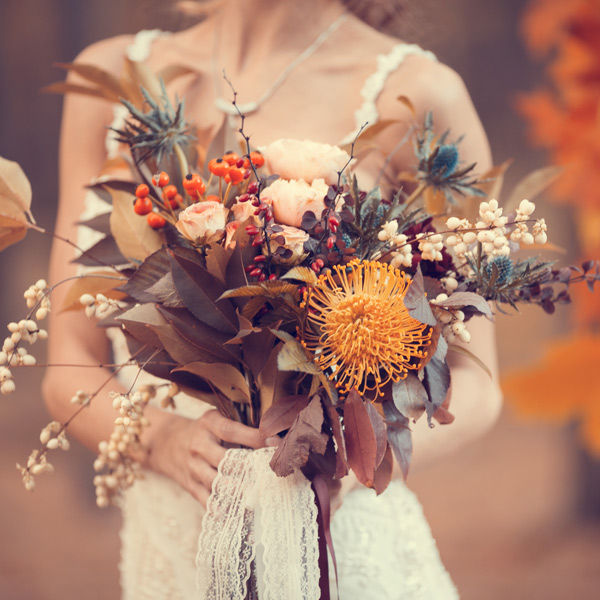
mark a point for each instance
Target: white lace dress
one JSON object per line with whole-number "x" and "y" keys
{"x": 384, "y": 547}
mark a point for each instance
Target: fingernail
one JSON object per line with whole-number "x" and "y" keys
{"x": 273, "y": 440}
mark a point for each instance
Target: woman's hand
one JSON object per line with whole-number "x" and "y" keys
{"x": 189, "y": 451}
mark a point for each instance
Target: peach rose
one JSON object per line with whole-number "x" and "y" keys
{"x": 243, "y": 210}
{"x": 287, "y": 245}
{"x": 202, "y": 220}
{"x": 308, "y": 160}
{"x": 291, "y": 199}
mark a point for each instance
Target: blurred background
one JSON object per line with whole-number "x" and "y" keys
{"x": 516, "y": 515}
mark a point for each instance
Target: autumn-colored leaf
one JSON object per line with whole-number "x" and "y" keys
{"x": 292, "y": 357}
{"x": 437, "y": 384}
{"x": 408, "y": 103}
{"x": 15, "y": 203}
{"x": 460, "y": 299}
{"x": 531, "y": 185}
{"x": 361, "y": 442}
{"x": 466, "y": 352}
{"x": 383, "y": 473}
{"x": 303, "y": 437}
{"x": 105, "y": 80}
{"x": 217, "y": 259}
{"x": 134, "y": 237}
{"x": 399, "y": 435}
{"x": 65, "y": 87}
{"x": 93, "y": 282}
{"x": 226, "y": 378}
{"x": 409, "y": 396}
{"x": 303, "y": 274}
{"x": 282, "y": 414}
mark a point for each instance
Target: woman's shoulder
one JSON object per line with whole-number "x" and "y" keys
{"x": 108, "y": 54}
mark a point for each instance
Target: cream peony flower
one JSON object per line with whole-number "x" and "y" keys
{"x": 243, "y": 210}
{"x": 291, "y": 199}
{"x": 202, "y": 220}
{"x": 308, "y": 160}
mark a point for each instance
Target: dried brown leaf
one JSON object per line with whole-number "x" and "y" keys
{"x": 361, "y": 442}
{"x": 303, "y": 274}
{"x": 15, "y": 202}
{"x": 292, "y": 357}
{"x": 281, "y": 415}
{"x": 94, "y": 282}
{"x": 65, "y": 87}
{"x": 226, "y": 378}
{"x": 134, "y": 237}
{"x": 303, "y": 437}
{"x": 531, "y": 185}
{"x": 383, "y": 474}
{"x": 103, "y": 79}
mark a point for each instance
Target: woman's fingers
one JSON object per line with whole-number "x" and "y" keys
{"x": 232, "y": 431}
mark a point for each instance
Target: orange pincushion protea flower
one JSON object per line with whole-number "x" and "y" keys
{"x": 364, "y": 336}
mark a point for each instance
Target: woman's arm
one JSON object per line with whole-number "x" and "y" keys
{"x": 185, "y": 450}
{"x": 475, "y": 397}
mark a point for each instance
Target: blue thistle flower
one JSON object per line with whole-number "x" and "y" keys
{"x": 505, "y": 268}
{"x": 446, "y": 159}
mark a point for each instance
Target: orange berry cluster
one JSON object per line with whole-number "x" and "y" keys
{"x": 233, "y": 168}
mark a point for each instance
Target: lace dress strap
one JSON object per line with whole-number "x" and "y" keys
{"x": 373, "y": 86}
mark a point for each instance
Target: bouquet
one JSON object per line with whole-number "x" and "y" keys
{"x": 267, "y": 283}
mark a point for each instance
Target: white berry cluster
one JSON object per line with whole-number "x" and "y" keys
{"x": 52, "y": 437}
{"x": 99, "y": 305}
{"x": 80, "y": 397}
{"x": 37, "y": 294}
{"x": 452, "y": 320}
{"x": 11, "y": 355}
{"x": 449, "y": 282}
{"x": 431, "y": 245}
{"x": 37, "y": 463}
{"x": 521, "y": 233}
{"x": 402, "y": 255}
{"x": 116, "y": 455}
{"x": 492, "y": 229}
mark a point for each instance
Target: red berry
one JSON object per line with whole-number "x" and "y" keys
{"x": 160, "y": 179}
{"x": 240, "y": 163}
{"x": 142, "y": 190}
{"x": 320, "y": 263}
{"x": 243, "y": 198}
{"x": 169, "y": 192}
{"x": 231, "y": 158}
{"x": 255, "y": 201}
{"x": 272, "y": 277}
{"x": 252, "y": 187}
{"x": 257, "y": 241}
{"x": 262, "y": 277}
{"x": 261, "y": 258}
{"x": 258, "y": 160}
{"x": 250, "y": 268}
{"x": 334, "y": 221}
{"x": 156, "y": 221}
{"x": 255, "y": 272}
{"x": 142, "y": 206}
{"x": 218, "y": 167}
{"x": 330, "y": 242}
{"x": 251, "y": 230}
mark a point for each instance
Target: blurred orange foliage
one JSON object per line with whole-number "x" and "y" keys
{"x": 565, "y": 119}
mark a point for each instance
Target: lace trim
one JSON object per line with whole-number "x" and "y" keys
{"x": 254, "y": 516}
{"x": 374, "y": 84}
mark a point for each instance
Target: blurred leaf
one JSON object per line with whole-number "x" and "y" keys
{"x": 105, "y": 81}
{"x": 465, "y": 352}
{"x": 100, "y": 223}
{"x": 134, "y": 237}
{"x": 15, "y": 203}
{"x": 437, "y": 383}
{"x": 383, "y": 473}
{"x": 399, "y": 435}
{"x": 407, "y": 102}
{"x": 226, "y": 378}
{"x": 91, "y": 283}
{"x": 65, "y": 87}
{"x": 361, "y": 442}
{"x": 366, "y": 137}
{"x": 303, "y": 437}
{"x": 531, "y": 185}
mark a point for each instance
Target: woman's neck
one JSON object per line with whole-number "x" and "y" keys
{"x": 249, "y": 31}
